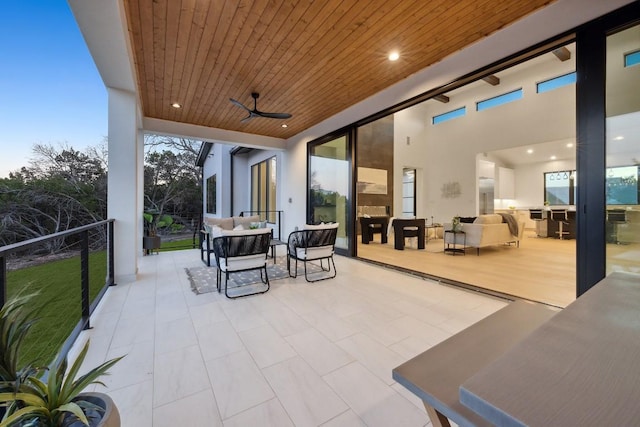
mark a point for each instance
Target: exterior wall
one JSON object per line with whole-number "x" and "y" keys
{"x": 218, "y": 163}
{"x": 125, "y": 182}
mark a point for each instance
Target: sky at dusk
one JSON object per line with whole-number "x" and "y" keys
{"x": 52, "y": 92}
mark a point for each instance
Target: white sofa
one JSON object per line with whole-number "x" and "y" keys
{"x": 486, "y": 230}
{"x": 229, "y": 226}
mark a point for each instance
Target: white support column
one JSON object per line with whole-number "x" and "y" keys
{"x": 123, "y": 198}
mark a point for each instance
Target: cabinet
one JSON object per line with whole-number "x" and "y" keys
{"x": 506, "y": 188}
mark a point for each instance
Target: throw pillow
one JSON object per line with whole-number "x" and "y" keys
{"x": 320, "y": 226}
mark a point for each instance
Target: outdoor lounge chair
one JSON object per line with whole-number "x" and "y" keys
{"x": 314, "y": 243}
{"x": 244, "y": 251}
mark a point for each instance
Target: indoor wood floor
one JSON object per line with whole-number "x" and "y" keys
{"x": 541, "y": 269}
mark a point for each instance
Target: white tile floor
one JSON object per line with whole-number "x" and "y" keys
{"x": 300, "y": 355}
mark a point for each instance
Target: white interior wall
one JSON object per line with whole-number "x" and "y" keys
{"x": 622, "y": 98}
{"x": 409, "y": 151}
{"x": 452, "y": 147}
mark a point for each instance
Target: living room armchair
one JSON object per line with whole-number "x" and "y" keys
{"x": 314, "y": 243}
{"x": 244, "y": 251}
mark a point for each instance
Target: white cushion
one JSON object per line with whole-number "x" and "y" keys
{"x": 243, "y": 262}
{"x": 246, "y": 232}
{"x": 320, "y": 226}
{"x": 224, "y": 223}
{"x": 245, "y": 220}
{"x": 314, "y": 253}
{"x": 488, "y": 219}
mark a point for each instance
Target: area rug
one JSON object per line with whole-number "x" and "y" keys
{"x": 203, "y": 279}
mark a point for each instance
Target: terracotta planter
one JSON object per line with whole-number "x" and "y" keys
{"x": 109, "y": 417}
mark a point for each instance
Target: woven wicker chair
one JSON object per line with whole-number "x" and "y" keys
{"x": 242, "y": 252}
{"x": 313, "y": 244}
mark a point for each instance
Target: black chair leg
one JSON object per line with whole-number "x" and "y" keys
{"x": 295, "y": 268}
{"x": 265, "y": 281}
{"x": 329, "y": 259}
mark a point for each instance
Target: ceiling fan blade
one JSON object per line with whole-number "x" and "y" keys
{"x": 237, "y": 103}
{"x": 246, "y": 119}
{"x": 274, "y": 115}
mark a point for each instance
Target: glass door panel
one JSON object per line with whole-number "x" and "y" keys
{"x": 623, "y": 152}
{"x": 329, "y": 181}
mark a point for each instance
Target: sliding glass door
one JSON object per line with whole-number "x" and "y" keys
{"x": 623, "y": 151}
{"x": 329, "y": 184}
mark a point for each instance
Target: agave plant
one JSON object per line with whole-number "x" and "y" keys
{"x": 56, "y": 401}
{"x": 16, "y": 319}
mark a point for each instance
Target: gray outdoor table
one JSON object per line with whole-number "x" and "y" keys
{"x": 435, "y": 375}
{"x": 581, "y": 368}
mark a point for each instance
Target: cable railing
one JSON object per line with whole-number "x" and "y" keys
{"x": 68, "y": 285}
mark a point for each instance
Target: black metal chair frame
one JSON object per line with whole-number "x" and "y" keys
{"x": 311, "y": 240}
{"x": 277, "y": 227}
{"x": 205, "y": 247}
{"x": 233, "y": 246}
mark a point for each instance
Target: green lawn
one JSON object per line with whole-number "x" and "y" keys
{"x": 58, "y": 284}
{"x": 178, "y": 244}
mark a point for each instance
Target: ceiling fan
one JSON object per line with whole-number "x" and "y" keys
{"x": 256, "y": 113}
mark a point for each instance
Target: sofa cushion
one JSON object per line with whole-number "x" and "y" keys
{"x": 242, "y": 262}
{"x": 245, "y": 232}
{"x": 467, "y": 219}
{"x": 488, "y": 219}
{"x": 320, "y": 226}
{"x": 311, "y": 254}
{"x": 245, "y": 220}
{"x": 224, "y": 223}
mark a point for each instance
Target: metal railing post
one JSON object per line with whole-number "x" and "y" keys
{"x": 84, "y": 277}
{"x": 110, "y": 258}
{"x": 3, "y": 280}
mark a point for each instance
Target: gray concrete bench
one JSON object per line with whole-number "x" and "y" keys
{"x": 436, "y": 375}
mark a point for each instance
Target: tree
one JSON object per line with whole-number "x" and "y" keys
{"x": 61, "y": 188}
{"x": 172, "y": 181}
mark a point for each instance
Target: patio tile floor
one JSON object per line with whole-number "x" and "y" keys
{"x": 302, "y": 354}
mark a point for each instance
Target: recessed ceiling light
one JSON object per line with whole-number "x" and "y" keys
{"x": 393, "y": 56}
{"x": 570, "y": 145}
{"x": 530, "y": 151}
{"x": 618, "y": 138}
{"x": 553, "y": 157}
{"x": 176, "y": 105}
{"x": 284, "y": 125}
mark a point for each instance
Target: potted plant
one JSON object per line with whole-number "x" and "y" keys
{"x": 15, "y": 322}
{"x": 58, "y": 400}
{"x": 455, "y": 224}
{"x": 152, "y": 222}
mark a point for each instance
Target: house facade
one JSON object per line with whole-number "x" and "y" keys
{"x": 446, "y": 171}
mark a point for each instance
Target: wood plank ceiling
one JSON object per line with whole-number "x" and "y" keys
{"x": 308, "y": 58}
